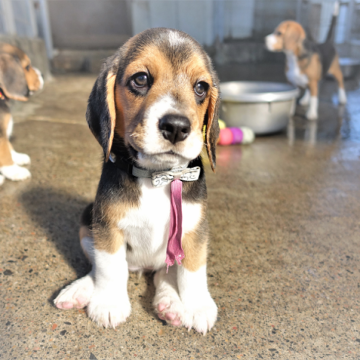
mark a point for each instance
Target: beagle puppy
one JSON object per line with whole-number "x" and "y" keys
{"x": 18, "y": 80}
{"x": 147, "y": 110}
{"x": 307, "y": 62}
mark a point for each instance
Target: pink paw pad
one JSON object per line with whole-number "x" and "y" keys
{"x": 65, "y": 305}
{"x": 161, "y": 307}
{"x": 82, "y": 302}
{"x": 176, "y": 322}
{"x": 170, "y": 317}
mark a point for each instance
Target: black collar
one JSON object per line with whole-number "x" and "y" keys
{"x": 121, "y": 163}
{"x": 133, "y": 170}
{"x": 122, "y": 157}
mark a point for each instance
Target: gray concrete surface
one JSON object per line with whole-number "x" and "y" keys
{"x": 284, "y": 257}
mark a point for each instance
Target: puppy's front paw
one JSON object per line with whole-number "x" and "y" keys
{"x": 200, "y": 313}
{"x": 15, "y": 172}
{"x": 20, "y": 159}
{"x": 167, "y": 302}
{"x": 109, "y": 308}
{"x": 2, "y": 179}
{"x": 311, "y": 114}
{"x": 169, "y": 307}
{"x": 76, "y": 295}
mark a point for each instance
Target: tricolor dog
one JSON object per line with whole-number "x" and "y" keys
{"x": 147, "y": 110}
{"x": 18, "y": 80}
{"x": 306, "y": 61}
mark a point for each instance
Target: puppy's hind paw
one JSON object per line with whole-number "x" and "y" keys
{"x": 76, "y": 295}
{"x": 342, "y": 96}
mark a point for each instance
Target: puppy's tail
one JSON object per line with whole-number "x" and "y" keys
{"x": 85, "y": 233}
{"x": 331, "y": 33}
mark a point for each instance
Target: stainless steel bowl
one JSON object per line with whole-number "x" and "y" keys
{"x": 349, "y": 67}
{"x": 264, "y": 107}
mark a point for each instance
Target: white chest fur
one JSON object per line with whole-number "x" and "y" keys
{"x": 146, "y": 228}
{"x": 10, "y": 128}
{"x": 293, "y": 73}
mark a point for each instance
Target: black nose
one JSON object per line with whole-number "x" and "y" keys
{"x": 174, "y": 128}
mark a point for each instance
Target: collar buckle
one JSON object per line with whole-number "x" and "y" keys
{"x": 161, "y": 178}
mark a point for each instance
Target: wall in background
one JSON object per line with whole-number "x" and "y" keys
{"x": 269, "y": 13}
{"x": 83, "y": 32}
{"x": 89, "y": 24}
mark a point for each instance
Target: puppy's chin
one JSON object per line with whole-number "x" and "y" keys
{"x": 161, "y": 161}
{"x": 159, "y": 155}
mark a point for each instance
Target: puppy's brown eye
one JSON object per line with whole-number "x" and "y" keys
{"x": 27, "y": 68}
{"x": 201, "y": 88}
{"x": 141, "y": 80}
{"x": 278, "y": 33}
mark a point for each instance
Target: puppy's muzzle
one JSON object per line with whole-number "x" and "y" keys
{"x": 174, "y": 128}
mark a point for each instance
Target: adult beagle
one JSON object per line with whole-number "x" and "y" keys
{"x": 147, "y": 110}
{"x": 18, "y": 80}
{"x": 307, "y": 62}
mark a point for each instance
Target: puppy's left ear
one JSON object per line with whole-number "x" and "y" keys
{"x": 101, "y": 111}
{"x": 212, "y": 124}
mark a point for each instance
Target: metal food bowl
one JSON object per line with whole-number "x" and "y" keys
{"x": 349, "y": 67}
{"x": 264, "y": 107}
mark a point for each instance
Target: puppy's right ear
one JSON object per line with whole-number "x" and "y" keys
{"x": 12, "y": 78}
{"x": 101, "y": 111}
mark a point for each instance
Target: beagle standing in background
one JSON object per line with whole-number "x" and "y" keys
{"x": 18, "y": 80}
{"x": 307, "y": 62}
{"x": 147, "y": 110}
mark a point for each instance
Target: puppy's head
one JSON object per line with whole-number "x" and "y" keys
{"x": 18, "y": 79}
{"x": 157, "y": 92}
{"x": 288, "y": 36}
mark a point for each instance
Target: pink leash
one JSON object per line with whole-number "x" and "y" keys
{"x": 174, "y": 249}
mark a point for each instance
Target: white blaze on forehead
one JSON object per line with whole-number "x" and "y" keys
{"x": 165, "y": 105}
{"x": 175, "y": 39}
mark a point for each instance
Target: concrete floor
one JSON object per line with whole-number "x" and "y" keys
{"x": 284, "y": 264}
